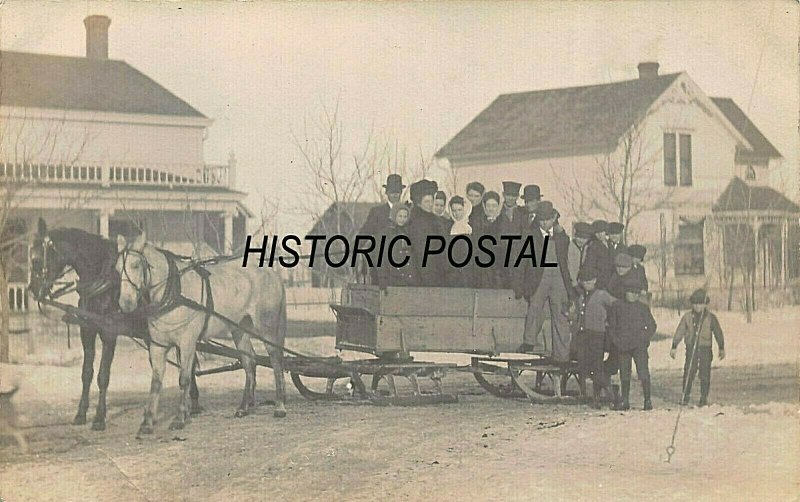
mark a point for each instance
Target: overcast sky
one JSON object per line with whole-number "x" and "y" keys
{"x": 418, "y": 71}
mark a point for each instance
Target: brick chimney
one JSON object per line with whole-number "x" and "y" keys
{"x": 648, "y": 69}
{"x": 97, "y": 36}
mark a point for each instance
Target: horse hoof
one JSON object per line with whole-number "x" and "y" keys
{"x": 144, "y": 430}
{"x": 240, "y": 413}
{"x": 98, "y": 426}
{"x": 177, "y": 425}
{"x": 279, "y": 413}
{"x": 196, "y": 410}
{"x": 79, "y": 420}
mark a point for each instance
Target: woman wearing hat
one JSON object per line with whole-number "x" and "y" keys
{"x": 490, "y": 223}
{"x": 422, "y": 224}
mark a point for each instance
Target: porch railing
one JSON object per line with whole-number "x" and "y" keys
{"x": 118, "y": 174}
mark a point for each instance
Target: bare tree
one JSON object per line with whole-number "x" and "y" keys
{"x": 623, "y": 183}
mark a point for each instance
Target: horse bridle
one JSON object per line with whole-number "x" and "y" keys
{"x": 143, "y": 292}
{"x": 48, "y": 246}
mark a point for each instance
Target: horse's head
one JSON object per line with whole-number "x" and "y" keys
{"x": 134, "y": 272}
{"x": 48, "y": 259}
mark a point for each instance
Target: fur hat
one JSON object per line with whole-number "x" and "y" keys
{"x": 582, "y": 230}
{"x": 588, "y": 273}
{"x": 615, "y": 228}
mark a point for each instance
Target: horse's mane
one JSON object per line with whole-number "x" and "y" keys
{"x": 95, "y": 248}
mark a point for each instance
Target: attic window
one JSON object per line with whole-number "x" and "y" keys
{"x": 750, "y": 175}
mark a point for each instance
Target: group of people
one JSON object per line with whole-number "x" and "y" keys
{"x": 597, "y": 295}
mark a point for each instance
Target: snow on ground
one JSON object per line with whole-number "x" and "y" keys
{"x": 743, "y": 446}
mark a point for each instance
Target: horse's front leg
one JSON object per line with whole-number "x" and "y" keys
{"x": 186, "y": 359}
{"x": 88, "y": 337}
{"x": 276, "y": 360}
{"x": 103, "y": 379}
{"x": 158, "y": 363}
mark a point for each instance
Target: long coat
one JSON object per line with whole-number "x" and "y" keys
{"x": 598, "y": 256}
{"x": 493, "y": 277}
{"x": 397, "y": 276}
{"x": 422, "y": 224}
{"x": 378, "y": 222}
{"x": 630, "y": 325}
{"x": 526, "y": 281}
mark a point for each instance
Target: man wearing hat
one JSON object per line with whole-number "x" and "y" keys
{"x": 581, "y": 233}
{"x": 598, "y": 255}
{"x": 378, "y": 218}
{"x": 378, "y": 222}
{"x": 615, "y": 236}
{"x": 552, "y": 285}
{"x": 514, "y": 216}
{"x": 696, "y": 328}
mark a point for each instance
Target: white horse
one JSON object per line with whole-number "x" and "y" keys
{"x": 253, "y": 298}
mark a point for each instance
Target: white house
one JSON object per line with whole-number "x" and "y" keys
{"x": 91, "y": 142}
{"x": 665, "y": 147}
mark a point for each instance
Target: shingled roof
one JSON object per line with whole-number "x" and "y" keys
{"x": 351, "y": 218}
{"x": 79, "y": 83}
{"x": 739, "y": 196}
{"x": 761, "y": 145}
{"x": 590, "y": 118}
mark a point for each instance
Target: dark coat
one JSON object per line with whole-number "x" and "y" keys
{"x": 378, "y": 222}
{"x": 598, "y": 256}
{"x": 490, "y": 277}
{"x": 476, "y": 216}
{"x": 397, "y": 276}
{"x": 526, "y": 281}
{"x": 630, "y": 325}
{"x": 422, "y": 224}
{"x": 641, "y": 276}
{"x": 520, "y": 219}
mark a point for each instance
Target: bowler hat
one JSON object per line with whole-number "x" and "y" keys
{"x": 615, "y": 228}
{"x": 394, "y": 183}
{"x": 545, "y": 211}
{"x": 531, "y": 192}
{"x": 511, "y": 188}
{"x": 637, "y": 251}
{"x": 583, "y": 230}
{"x": 599, "y": 226}
{"x": 699, "y": 297}
{"x": 623, "y": 260}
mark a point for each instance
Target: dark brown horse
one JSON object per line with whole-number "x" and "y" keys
{"x": 52, "y": 254}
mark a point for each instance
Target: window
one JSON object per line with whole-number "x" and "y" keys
{"x": 677, "y": 148}
{"x": 750, "y": 175}
{"x": 670, "y": 171}
{"x": 689, "y": 252}
{"x": 686, "y": 160}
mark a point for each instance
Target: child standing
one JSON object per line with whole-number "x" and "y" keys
{"x": 696, "y": 329}
{"x": 590, "y": 331}
{"x": 397, "y": 276}
{"x": 631, "y": 326}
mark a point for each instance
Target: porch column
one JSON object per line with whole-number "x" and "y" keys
{"x": 784, "y": 256}
{"x": 105, "y": 214}
{"x": 228, "y": 232}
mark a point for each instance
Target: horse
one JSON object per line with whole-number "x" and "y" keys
{"x": 52, "y": 254}
{"x": 183, "y": 306}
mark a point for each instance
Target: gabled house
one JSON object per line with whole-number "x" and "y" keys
{"x": 93, "y": 143}
{"x": 654, "y": 153}
{"x": 343, "y": 218}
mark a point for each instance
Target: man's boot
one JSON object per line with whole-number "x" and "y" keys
{"x": 648, "y": 404}
{"x": 626, "y": 392}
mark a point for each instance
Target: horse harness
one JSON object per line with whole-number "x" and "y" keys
{"x": 173, "y": 296}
